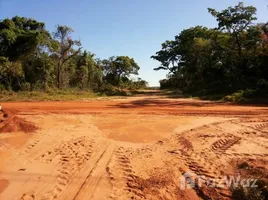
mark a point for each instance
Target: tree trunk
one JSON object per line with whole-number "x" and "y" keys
{"x": 58, "y": 75}
{"x": 118, "y": 79}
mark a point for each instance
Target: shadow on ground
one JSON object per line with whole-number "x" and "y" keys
{"x": 163, "y": 102}
{"x": 169, "y": 99}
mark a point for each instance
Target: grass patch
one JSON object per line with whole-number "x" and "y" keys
{"x": 63, "y": 95}
{"x": 51, "y": 95}
{"x": 179, "y": 94}
{"x": 241, "y": 96}
{"x": 248, "y": 96}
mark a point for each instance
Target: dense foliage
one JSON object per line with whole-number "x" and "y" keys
{"x": 231, "y": 57}
{"x": 31, "y": 58}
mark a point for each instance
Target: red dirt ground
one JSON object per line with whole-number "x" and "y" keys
{"x": 11, "y": 123}
{"x": 128, "y": 148}
{"x": 140, "y": 105}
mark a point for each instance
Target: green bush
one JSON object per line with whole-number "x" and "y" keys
{"x": 26, "y": 86}
{"x": 2, "y": 87}
{"x": 241, "y": 95}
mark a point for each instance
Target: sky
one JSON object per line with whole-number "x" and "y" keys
{"x": 122, "y": 27}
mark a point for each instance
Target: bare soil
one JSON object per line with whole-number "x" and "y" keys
{"x": 11, "y": 123}
{"x": 129, "y": 148}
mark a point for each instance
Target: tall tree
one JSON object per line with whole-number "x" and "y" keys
{"x": 236, "y": 21}
{"x": 64, "y": 49}
{"x": 228, "y": 58}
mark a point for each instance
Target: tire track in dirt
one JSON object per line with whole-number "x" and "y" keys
{"x": 261, "y": 126}
{"x": 246, "y": 132}
{"x": 222, "y": 145}
{"x": 31, "y": 146}
{"x": 31, "y": 150}
{"x": 125, "y": 184}
{"x": 199, "y": 164}
{"x": 83, "y": 182}
{"x": 88, "y": 187}
{"x": 219, "y": 137}
{"x": 226, "y": 140}
{"x": 129, "y": 182}
{"x": 28, "y": 197}
{"x": 254, "y": 137}
{"x": 255, "y": 124}
{"x": 82, "y": 164}
{"x": 203, "y": 169}
{"x": 72, "y": 157}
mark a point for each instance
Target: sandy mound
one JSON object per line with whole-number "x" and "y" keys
{"x": 10, "y": 123}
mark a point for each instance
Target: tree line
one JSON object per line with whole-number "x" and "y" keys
{"x": 32, "y": 58}
{"x": 228, "y": 58}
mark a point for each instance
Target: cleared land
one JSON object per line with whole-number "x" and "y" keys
{"x": 129, "y": 148}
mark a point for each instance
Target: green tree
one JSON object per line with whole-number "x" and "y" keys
{"x": 31, "y": 59}
{"x": 88, "y": 71}
{"x": 117, "y": 67}
{"x": 237, "y": 21}
{"x": 38, "y": 71}
{"x": 64, "y": 50}
{"x": 11, "y": 73}
{"x": 125, "y": 66}
{"x": 20, "y": 36}
{"x": 228, "y": 58}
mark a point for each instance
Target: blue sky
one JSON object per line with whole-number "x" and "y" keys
{"x": 121, "y": 27}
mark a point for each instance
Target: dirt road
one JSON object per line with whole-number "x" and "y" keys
{"x": 129, "y": 148}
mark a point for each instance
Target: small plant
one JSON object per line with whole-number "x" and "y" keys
{"x": 243, "y": 165}
{"x": 242, "y": 193}
{"x": 251, "y": 193}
